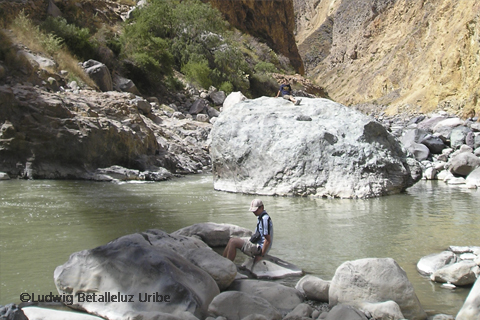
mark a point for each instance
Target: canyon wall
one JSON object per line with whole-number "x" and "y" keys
{"x": 272, "y": 21}
{"x": 406, "y": 55}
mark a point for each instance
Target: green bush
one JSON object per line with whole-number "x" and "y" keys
{"x": 198, "y": 72}
{"x": 227, "y": 87}
{"x": 77, "y": 40}
{"x": 265, "y": 67}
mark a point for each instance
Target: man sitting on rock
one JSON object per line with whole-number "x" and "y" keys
{"x": 286, "y": 92}
{"x": 260, "y": 243}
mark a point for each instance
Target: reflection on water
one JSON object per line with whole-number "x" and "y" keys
{"x": 43, "y": 222}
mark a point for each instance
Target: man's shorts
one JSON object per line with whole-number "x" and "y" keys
{"x": 250, "y": 249}
{"x": 287, "y": 97}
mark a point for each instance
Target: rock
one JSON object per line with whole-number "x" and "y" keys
{"x": 433, "y": 143}
{"x": 454, "y": 181}
{"x": 72, "y": 134}
{"x": 443, "y": 317}
{"x": 476, "y": 143}
{"x": 464, "y": 249}
{"x": 313, "y": 288}
{"x": 340, "y": 153}
{"x": 198, "y": 106}
{"x": 232, "y": 99}
{"x": 459, "y": 274}
{"x": 36, "y": 313}
{"x": 430, "y": 173}
{"x": 431, "y": 263}
{"x": 420, "y": 151}
{"x": 345, "y": 312}
{"x": 375, "y": 280}
{"x": 143, "y": 105}
{"x": 41, "y": 62}
{"x": 235, "y": 305}
{"x": 99, "y": 74}
{"x": 124, "y": 85}
{"x": 222, "y": 270}
{"x": 119, "y": 173}
{"x": 458, "y": 136}
{"x": 283, "y": 298}
{"x": 212, "y": 112}
{"x": 471, "y": 308}
{"x": 429, "y": 123}
{"x": 474, "y": 177}
{"x": 449, "y": 123}
{"x": 213, "y": 234}
{"x": 382, "y": 310}
{"x": 463, "y": 164}
{"x": 202, "y": 117}
{"x": 53, "y": 10}
{"x": 12, "y": 312}
{"x": 271, "y": 267}
{"x": 470, "y": 140}
{"x": 217, "y": 97}
{"x": 300, "y": 311}
{"x": 136, "y": 265}
{"x": 4, "y": 176}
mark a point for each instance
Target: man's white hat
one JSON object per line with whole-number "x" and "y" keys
{"x": 256, "y": 203}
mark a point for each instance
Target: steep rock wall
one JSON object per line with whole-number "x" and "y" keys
{"x": 270, "y": 20}
{"x": 409, "y": 55}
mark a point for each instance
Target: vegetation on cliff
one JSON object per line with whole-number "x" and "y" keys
{"x": 156, "y": 41}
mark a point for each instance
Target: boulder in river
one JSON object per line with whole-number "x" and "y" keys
{"x": 375, "y": 280}
{"x": 269, "y": 146}
{"x": 152, "y": 277}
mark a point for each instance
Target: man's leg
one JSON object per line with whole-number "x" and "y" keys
{"x": 231, "y": 249}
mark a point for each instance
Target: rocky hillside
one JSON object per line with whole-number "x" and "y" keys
{"x": 406, "y": 55}
{"x": 271, "y": 21}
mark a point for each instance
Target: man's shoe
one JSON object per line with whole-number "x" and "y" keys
{"x": 298, "y": 102}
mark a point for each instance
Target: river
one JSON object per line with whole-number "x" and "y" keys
{"x": 43, "y": 221}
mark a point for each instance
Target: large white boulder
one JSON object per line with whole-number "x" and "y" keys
{"x": 269, "y": 146}
{"x": 375, "y": 280}
{"x": 144, "y": 269}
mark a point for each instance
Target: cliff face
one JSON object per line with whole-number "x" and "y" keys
{"x": 410, "y": 55}
{"x": 270, "y": 20}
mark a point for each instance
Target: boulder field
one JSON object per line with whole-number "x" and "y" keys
{"x": 174, "y": 276}
{"x": 269, "y": 146}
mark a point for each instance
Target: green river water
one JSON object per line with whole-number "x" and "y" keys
{"x": 42, "y": 222}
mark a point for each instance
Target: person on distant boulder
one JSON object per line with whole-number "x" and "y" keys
{"x": 260, "y": 242}
{"x": 286, "y": 92}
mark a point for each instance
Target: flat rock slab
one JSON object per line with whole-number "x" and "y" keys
{"x": 272, "y": 268}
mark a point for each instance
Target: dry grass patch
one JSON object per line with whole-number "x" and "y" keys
{"x": 32, "y": 37}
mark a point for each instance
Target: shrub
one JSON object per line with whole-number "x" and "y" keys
{"x": 31, "y": 36}
{"x": 198, "y": 72}
{"x": 265, "y": 67}
{"x": 77, "y": 40}
{"x": 227, "y": 87}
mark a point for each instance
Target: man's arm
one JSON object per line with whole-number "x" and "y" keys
{"x": 266, "y": 244}
{"x": 278, "y": 94}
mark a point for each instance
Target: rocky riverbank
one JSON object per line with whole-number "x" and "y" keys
{"x": 155, "y": 275}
